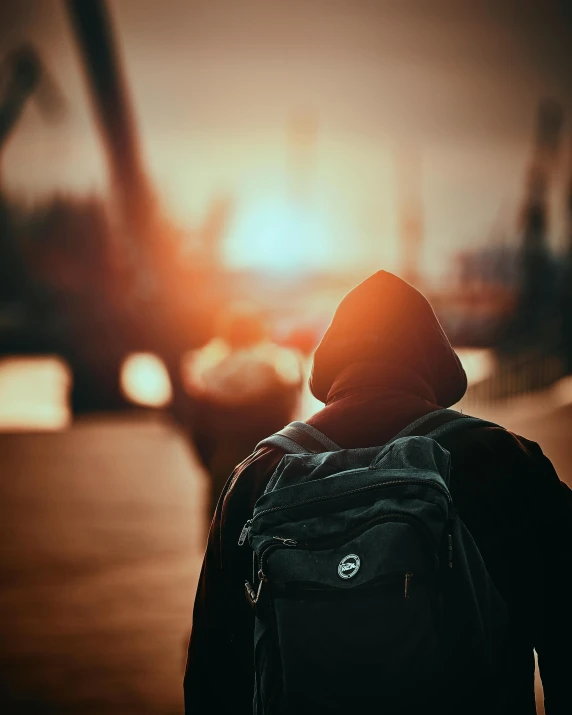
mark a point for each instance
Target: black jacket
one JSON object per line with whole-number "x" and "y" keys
{"x": 504, "y": 488}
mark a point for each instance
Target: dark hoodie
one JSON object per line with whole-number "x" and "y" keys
{"x": 383, "y": 362}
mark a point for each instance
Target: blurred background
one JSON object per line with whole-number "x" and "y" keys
{"x": 187, "y": 190}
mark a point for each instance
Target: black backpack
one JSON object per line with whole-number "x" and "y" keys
{"x": 370, "y": 596}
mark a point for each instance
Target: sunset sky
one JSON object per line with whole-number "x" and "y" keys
{"x": 217, "y": 84}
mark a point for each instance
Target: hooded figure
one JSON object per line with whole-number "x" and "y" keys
{"x": 386, "y": 322}
{"x": 383, "y": 363}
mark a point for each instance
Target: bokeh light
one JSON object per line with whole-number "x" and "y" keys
{"x": 145, "y": 380}
{"x": 34, "y": 394}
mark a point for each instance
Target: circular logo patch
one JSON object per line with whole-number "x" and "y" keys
{"x": 349, "y": 566}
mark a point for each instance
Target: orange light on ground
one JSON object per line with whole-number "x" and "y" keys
{"x": 34, "y": 394}
{"x": 144, "y": 380}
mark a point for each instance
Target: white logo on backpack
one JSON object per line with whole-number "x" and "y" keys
{"x": 349, "y": 566}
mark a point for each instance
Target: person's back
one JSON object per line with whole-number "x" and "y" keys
{"x": 383, "y": 363}
{"x": 242, "y": 384}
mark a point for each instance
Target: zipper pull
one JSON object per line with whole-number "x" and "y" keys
{"x": 286, "y": 542}
{"x": 408, "y": 577}
{"x": 450, "y": 550}
{"x": 250, "y": 593}
{"x": 244, "y": 532}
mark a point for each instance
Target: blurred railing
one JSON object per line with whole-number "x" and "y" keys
{"x": 513, "y": 377}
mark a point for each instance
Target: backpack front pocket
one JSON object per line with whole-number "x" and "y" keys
{"x": 351, "y": 647}
{"x": 356, "y": 623}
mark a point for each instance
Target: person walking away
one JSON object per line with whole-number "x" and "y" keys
{"x": 242, "y": 385}
{"x": 383, "y": 365}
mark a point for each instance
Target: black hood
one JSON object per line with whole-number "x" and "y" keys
{"x": 386, "y": 321}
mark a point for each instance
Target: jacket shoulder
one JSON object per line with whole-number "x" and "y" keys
{"x": 494, "y": 440}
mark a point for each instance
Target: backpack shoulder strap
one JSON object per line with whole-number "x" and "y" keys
{"x": 300, "y": 438}
{"x": 459, "y": 423}
{"x": 439, "y": 423}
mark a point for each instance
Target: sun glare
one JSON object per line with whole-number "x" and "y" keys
{"x": 277, "y": 236}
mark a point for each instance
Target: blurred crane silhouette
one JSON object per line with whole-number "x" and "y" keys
{"x": 163, "y": 301}
{"x": 23, "y": 75}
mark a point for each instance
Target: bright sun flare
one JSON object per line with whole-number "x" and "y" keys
{"x": 277, "y": 236}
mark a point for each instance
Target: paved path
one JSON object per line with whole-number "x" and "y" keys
{"x": 101, "y": 539}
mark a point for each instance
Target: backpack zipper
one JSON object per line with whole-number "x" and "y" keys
{"x": 405, "y": 577}
{"x": 308, "y": 546}
{"x": 423, "y": 482}
{"x": 320, "y": 543}
{"x": 244, "y": 532}
{"x": 286, "y": 542}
